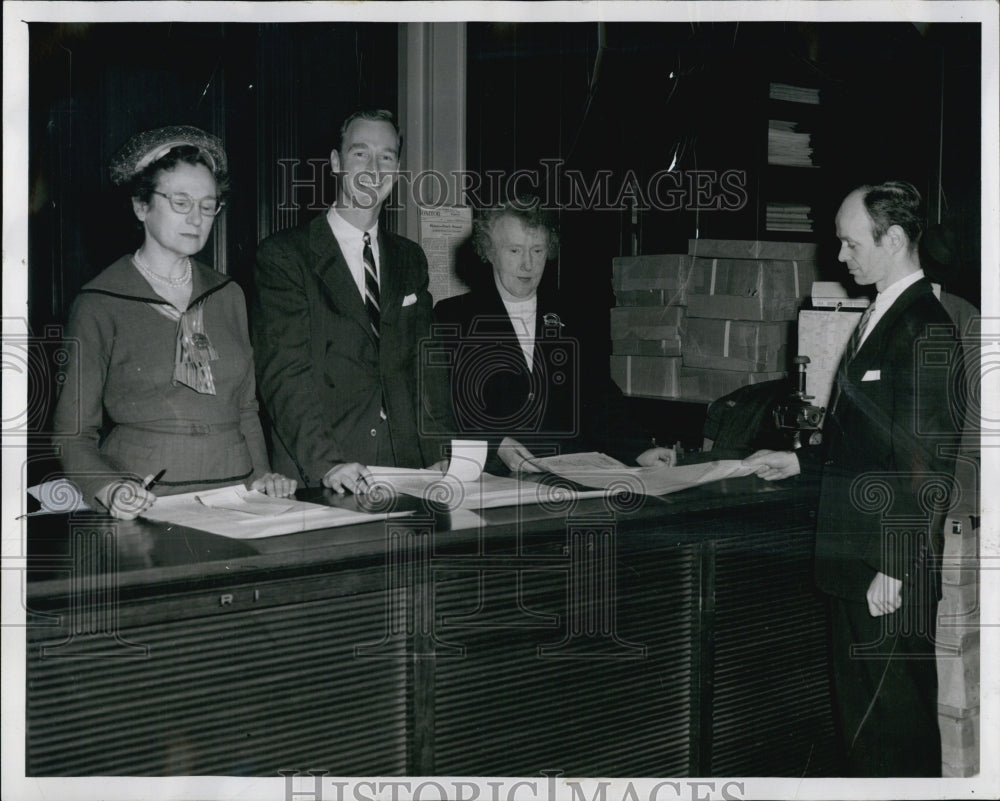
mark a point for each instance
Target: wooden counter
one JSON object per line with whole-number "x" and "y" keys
{"x": 641, "y": 637}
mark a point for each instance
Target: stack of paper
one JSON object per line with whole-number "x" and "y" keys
{"x": 787, "y": 145}
{"x": 789, "y": 217}
{"x": 794, "y": 94}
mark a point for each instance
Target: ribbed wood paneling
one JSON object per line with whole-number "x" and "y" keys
{"x": 248, "y": 693}
{"x": 770, "y": 696}
{"x": 504, "y": 709}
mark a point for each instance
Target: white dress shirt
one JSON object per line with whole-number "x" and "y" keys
{"x": 352, "y": 245}
{"x": 884, "y": 300}
{"x": 522, "y": 315}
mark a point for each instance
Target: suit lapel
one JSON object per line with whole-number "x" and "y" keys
{"x": 332, "y": 270}
{"x": 868, "y": 354}
{"x": 390, "y": 279}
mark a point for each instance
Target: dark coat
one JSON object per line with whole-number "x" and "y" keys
{"x": 565, "y": 404}
{"x": 886, "y": 440}
{"x": 322, "y": 376}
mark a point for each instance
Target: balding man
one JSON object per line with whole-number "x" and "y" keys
{"x": 885, "y": 448}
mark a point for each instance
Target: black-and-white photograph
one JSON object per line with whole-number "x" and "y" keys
{"x": 500, "y": 401}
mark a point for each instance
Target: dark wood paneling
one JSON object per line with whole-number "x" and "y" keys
{"x": 680, "y": 636}
{"x": 240, "y": 694}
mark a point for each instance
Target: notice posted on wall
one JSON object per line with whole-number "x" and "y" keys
{"x": 442, "y": 231}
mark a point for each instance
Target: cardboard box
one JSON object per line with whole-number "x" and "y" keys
{"x": 704, "y": 384}
{"x": 632, "y": 346}
{"x": 647, "y": 322}
{"x": 752, "y": 249}
{"x": 650, "y": 376}
{"x": 959, "y": 742}
{"x": 642, "y": 273}
{"x": 958, "y": 673}
{"x": 823, "y": 336}
{"x": 736, "y": 345}
{"x": 746, "y": 289}
{"x": 960, "y": 561}
{"x": 649, "y": 297}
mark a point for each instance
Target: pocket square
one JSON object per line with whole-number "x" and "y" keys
{"x": 872, "y": 375}
{"x": 409, "y": 300}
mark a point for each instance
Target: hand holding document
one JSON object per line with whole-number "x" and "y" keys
{"x": 466, "y": 486}
{"x": 599, "y": 470}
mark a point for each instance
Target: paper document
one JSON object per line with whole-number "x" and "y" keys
{"x": 190, "y": 510}
{"x": 240, "y": 499}
{"x": 657, "y": 480}
{"x": 577, "y": 461}
{"x": 56, "y": 497}
{"x": 466, "y": 486}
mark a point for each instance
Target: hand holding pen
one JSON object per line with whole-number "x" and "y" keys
{"x": 126, "y": 499}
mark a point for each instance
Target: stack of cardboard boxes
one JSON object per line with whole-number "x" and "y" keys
{"x": 647, "y": 323}
{"x": 743, "y": 299}
{"x": 700, "y": 325}
{"x": 958, "y": 627}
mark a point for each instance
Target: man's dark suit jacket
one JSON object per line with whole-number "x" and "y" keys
{"x": 321, "y": 374}
{"x": 882, "y": 439}
{"x": 557, "y": 407}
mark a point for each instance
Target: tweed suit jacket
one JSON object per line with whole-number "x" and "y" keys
{"x": 323, "y": 378}
{"x": 888, "y": 442}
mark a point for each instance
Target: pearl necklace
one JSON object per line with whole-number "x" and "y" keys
{"x": 184, "y": 280}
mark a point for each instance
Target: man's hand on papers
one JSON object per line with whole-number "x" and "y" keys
{"x": 275, "y": 485}
{"x": 348, "y": 477}
{"x": 773, "y": 465}
{"x": 657, "y": 457}
{"x": 517, "y": 458}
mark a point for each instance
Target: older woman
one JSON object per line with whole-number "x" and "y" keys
{"x": 515, "y": 355}
{"x": 163, "y": 378}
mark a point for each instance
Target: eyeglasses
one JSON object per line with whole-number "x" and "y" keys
{"x": 182, "y": 203}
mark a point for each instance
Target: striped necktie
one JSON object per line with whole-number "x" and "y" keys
{"x": 371, "y": 287}
{"x": 372, "y": 298}
{"x": 855, "y": 341}
{"x": 853, "y": 344}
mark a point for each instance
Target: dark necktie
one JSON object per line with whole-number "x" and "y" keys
{"x": 371, "y": 286}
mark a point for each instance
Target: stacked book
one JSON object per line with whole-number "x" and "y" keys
{"x": 743, "y": 298}
{"x": 647, "y": 323}
{"x": 789, "y": 217}
{"x": 787, "y": 145}
{"x": 794, "y": 94}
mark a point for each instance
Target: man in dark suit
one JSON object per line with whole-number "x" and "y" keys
{"x": 515, "y": 351}
{"x": 886, "y": 479}
{"x": 340, "y": 308}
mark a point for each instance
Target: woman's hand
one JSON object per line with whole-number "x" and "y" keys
{"x": 126, "y": 499}
{"x": 517, "y": 458}
{"x": 275, "y": 485}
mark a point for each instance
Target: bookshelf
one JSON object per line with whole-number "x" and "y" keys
{"x": 789, "y": 176}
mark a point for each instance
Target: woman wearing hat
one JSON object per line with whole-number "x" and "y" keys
{"x": 163, "y": 358}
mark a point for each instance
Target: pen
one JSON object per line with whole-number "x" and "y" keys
{"x": 152, "y": 482}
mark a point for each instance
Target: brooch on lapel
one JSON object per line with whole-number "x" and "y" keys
{"x": 552, "y": 320}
